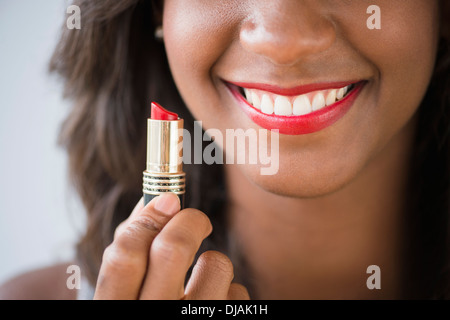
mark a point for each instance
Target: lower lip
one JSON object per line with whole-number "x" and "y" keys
{"x": 296, "y": 125}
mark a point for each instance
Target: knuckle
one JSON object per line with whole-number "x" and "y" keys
{"x": 239, "y": 287}
{"x": 173, "y": 249}
{"x": 136, "y": 228}
{"x": 143, "y": 223}
{"x": 219, "y": 262}
{"x": 200, "y": 217}
{"x": 239, "y": 292}
{"x": 119, "y": 229}
{"x": 118, "y": 257}
{"x": 200, "y": 214}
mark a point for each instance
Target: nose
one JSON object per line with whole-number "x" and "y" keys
{"x": 286, "y": 31}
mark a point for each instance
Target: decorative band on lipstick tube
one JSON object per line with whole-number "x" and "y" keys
{"x": 164, "y": 169}
{"x": 155, "y": 184}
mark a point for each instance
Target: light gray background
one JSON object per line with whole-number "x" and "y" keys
{"x": 40, "y": 216}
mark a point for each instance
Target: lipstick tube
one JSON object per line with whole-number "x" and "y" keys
{"x": 164, "y": 170}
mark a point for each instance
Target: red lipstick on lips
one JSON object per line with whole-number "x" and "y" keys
{"x": 296, "y": 125}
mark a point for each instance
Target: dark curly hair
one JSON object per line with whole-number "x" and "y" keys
{"x": 110, "y": 73}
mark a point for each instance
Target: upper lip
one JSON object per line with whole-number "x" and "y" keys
{"x": 294, "y": 91}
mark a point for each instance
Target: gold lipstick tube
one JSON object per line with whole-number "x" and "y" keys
{"x": 164, "y": 171}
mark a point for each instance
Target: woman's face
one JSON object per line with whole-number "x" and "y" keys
{"x": 295, "y": 58}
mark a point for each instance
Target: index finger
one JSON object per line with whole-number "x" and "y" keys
{"x": 125, "y": 261}
{"x": 122, "y": 226}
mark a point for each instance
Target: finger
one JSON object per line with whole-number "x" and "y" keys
{"x": 173, "y": 252}
{"x": 125, "y": 261}
{"x": 122, "y": 226}
{"x": 211, "y": 277}
{"x": 238, "y": 292}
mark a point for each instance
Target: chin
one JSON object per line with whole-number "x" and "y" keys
{"x": 292, "y": 182}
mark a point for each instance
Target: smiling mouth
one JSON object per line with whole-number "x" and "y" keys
{"x": 300, "y": 110}
{"x": 299, "y": 105}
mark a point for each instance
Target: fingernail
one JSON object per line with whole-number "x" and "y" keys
{"x": 168, "y": 203}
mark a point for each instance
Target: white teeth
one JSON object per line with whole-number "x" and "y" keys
{"x": 345, "y": 90}
{"x": 282, "y": 106}
{"x": 248, "y": 95}
{"x": 318, "y": 102}
{"x": 301, "y": 106}
{"x": 340, "y": 93}
{"x": 266, "y": 104}
{"x": 331, "y": 98}
{"x": 270, "y": 103}
{"x": 256, "y": 100}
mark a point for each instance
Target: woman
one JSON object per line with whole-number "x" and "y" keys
{"x": 369, "y": 187}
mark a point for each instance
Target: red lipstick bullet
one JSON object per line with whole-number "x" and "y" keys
{"x": 164, "y": 170}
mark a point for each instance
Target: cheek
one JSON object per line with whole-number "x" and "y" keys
{"x": 402, "y": 54}
{"x": 193, "y": 45}
{"x": 403, "y": 51}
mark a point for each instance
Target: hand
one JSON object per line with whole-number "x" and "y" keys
{"x": 152, "y": 252}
